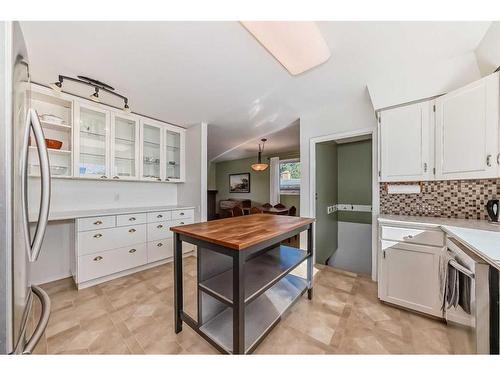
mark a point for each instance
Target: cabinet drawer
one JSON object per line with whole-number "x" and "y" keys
{"x": 414, "y": 235}
{"x": 108, "y": 262}
{"x": 130, "y": 219}
{"x": 184, "y": 221}
{"x": 159, "y": 230}
{"x": 159, "y": 216}
{"x": 93, "y": 223}
{"x": 182, "y": 214}
{"x": 158, "y": 250}
{"x": 113, "y": 238}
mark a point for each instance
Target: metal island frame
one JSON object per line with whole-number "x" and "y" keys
{"x": 244, "y": 280}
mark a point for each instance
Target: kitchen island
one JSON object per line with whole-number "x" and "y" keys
{"x": 244, "y": 277}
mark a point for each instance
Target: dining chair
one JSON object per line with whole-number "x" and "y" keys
{"x": 279, "y": 205}
{"x": 292, "y": 211}
{"x": 255, "y": 210}
{"x": 237, "y": 211}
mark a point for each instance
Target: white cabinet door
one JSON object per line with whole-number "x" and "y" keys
{"x": 467, "y": 131}
{"x": 174, "y": 154}
{"x": 409, "y": 276}
{"x": 124, "y": 146}
{"x": 152, "y": 150}
{"x": 405, "y": 143}
{"x": 91, "y": 145}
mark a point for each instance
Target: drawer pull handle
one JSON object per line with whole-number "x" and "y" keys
{"x": 159, "y": 244}
{"x": 181, "y": 223}
{"x": 132, "y": 219}
{"x": 97, "y": 259}
{"x": 159, "y": 216}
{"x": 131, "y": 230}
{"x": 98, "y": 235}
{"x": 159, "y": 226}
{"x": 116, "y": 178}
{"x": 408, "y": 237}
{"x": 182, "y": 213}
{"x": 131, "y": 251}
{"x": 98, "y": 222}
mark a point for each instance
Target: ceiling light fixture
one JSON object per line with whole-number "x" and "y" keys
{"x": 260, "y": 166}
{"x": 297, "y": 45}
{"x": 95, "y": 96}
{"x": 97, "y": 85}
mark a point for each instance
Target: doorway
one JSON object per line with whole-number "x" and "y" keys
{"x": 343, "y": 203}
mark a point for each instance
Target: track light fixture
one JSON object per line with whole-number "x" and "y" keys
{"x": 97, "y": 85}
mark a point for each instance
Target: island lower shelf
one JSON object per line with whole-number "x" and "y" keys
{"x": 260, "y": 315}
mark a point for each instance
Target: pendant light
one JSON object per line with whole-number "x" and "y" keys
{"x": 260, "y": 166}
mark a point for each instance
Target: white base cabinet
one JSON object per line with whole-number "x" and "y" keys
{"x": 109, "y": 246}
{"x": 409, "y": 268}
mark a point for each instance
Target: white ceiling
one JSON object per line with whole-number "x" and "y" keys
{"x": 188, "y": 72}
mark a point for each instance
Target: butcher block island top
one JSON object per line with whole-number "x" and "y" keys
{"x": 244, "y": 277}
{"x": 241, "y": 232}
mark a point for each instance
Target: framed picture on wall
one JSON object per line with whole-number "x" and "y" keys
{"x": 239, "y": 183}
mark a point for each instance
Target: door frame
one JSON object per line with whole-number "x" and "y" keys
{"x": 375, "y": 188}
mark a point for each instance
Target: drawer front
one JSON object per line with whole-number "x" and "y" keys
{"x": 159, "y": 230}
{"x": 108, "y": 262}
{"x": 113, "y": 238}
{"x": 130, "y": 219}
{"x": 413, "y": 235}
{"x": 158, "y": 250}
{"x": 182, "y": 214}
{"x": 93, "y": 223}
{"x": 184, "y": 221}
{"x": 154, "y": 217}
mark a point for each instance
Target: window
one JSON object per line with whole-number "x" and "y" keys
{"x": 290, "y": 176}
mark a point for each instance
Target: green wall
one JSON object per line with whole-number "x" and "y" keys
{"x": 355, "y": 179}
{"x": 326, "y": 195}
{"x": 259, "y": 182}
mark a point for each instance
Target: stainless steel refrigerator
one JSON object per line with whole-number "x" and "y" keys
{"x": 19, "y": 247}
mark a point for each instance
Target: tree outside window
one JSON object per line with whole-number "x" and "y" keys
{"x": 290, "y": 176}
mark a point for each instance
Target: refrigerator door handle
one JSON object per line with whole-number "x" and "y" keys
{"x": 43, "y": 216}
{"x": 42, "y": 323}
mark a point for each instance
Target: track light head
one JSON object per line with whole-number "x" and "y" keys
{"x": 56, "y": 86}
{"x": 95, "y": 96}
{"x": 126, "y": 108}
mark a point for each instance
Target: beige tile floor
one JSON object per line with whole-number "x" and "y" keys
{"x": 134, "y": 315}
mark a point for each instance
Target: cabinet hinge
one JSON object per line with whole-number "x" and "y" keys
{"x": 379, "y": 118}
{"x": 434, "y": 170}
{"x": 383, "y": 253}
{"x": 379, "y": 174}
{"x": 434, "y": 108}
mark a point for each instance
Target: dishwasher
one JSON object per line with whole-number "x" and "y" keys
{"x": 475, "y": 332}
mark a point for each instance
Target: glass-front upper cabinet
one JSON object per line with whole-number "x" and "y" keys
{"x": 91, "y": 141}
{"x": 152, "y": 158}
{"x": 174, "y": 146}
{"x": 124, "y": 146}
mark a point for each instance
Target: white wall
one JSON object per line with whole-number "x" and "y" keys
{"x": 423, "y": 81}
{"x": 488, "y": 50}
{"x": 194, "y": 191}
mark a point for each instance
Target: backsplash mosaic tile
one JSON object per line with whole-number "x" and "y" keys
{"x": 461, "y": 199}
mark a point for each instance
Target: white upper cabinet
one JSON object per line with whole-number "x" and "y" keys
{"x": 152, "y": 150}
{"x": 124, "y": 146}
{"x": 406, "y": 138}
{"x": 92, "y": 140}
{"x": 174, "y": 146}
{"x": 467, "y": 131}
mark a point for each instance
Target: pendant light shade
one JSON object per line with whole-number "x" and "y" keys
{"x": 260, "y": 166}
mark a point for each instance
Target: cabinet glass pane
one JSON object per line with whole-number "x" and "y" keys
{"x": 92, "y": 143}
{"x": 151, "y": 152}
{"x": 173, "y": 155}
{"x": 124, "y": 147}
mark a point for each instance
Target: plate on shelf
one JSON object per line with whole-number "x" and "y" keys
{"x": 52, "y": 118}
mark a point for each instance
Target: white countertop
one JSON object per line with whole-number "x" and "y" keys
{"x": 480, "y": 236}
{"x": 76, "y": 214}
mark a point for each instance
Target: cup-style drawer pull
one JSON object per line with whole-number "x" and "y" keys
{"x": 181, "y": 213}
{"x": 181, "y": 223}
{"x": 159, "y": 216}
{"x": 132, "y": 219}
{"x": 98, "y": 235}
{"x": 98, "y": 222}
{"x": 131, "y": 230}
{"x": 97, "y": 259}
{"x": 131, "y": 251}
{"x": 159, "y": 244}
{"x": 408, "y": 237}
{"x": 159, "y": 226}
